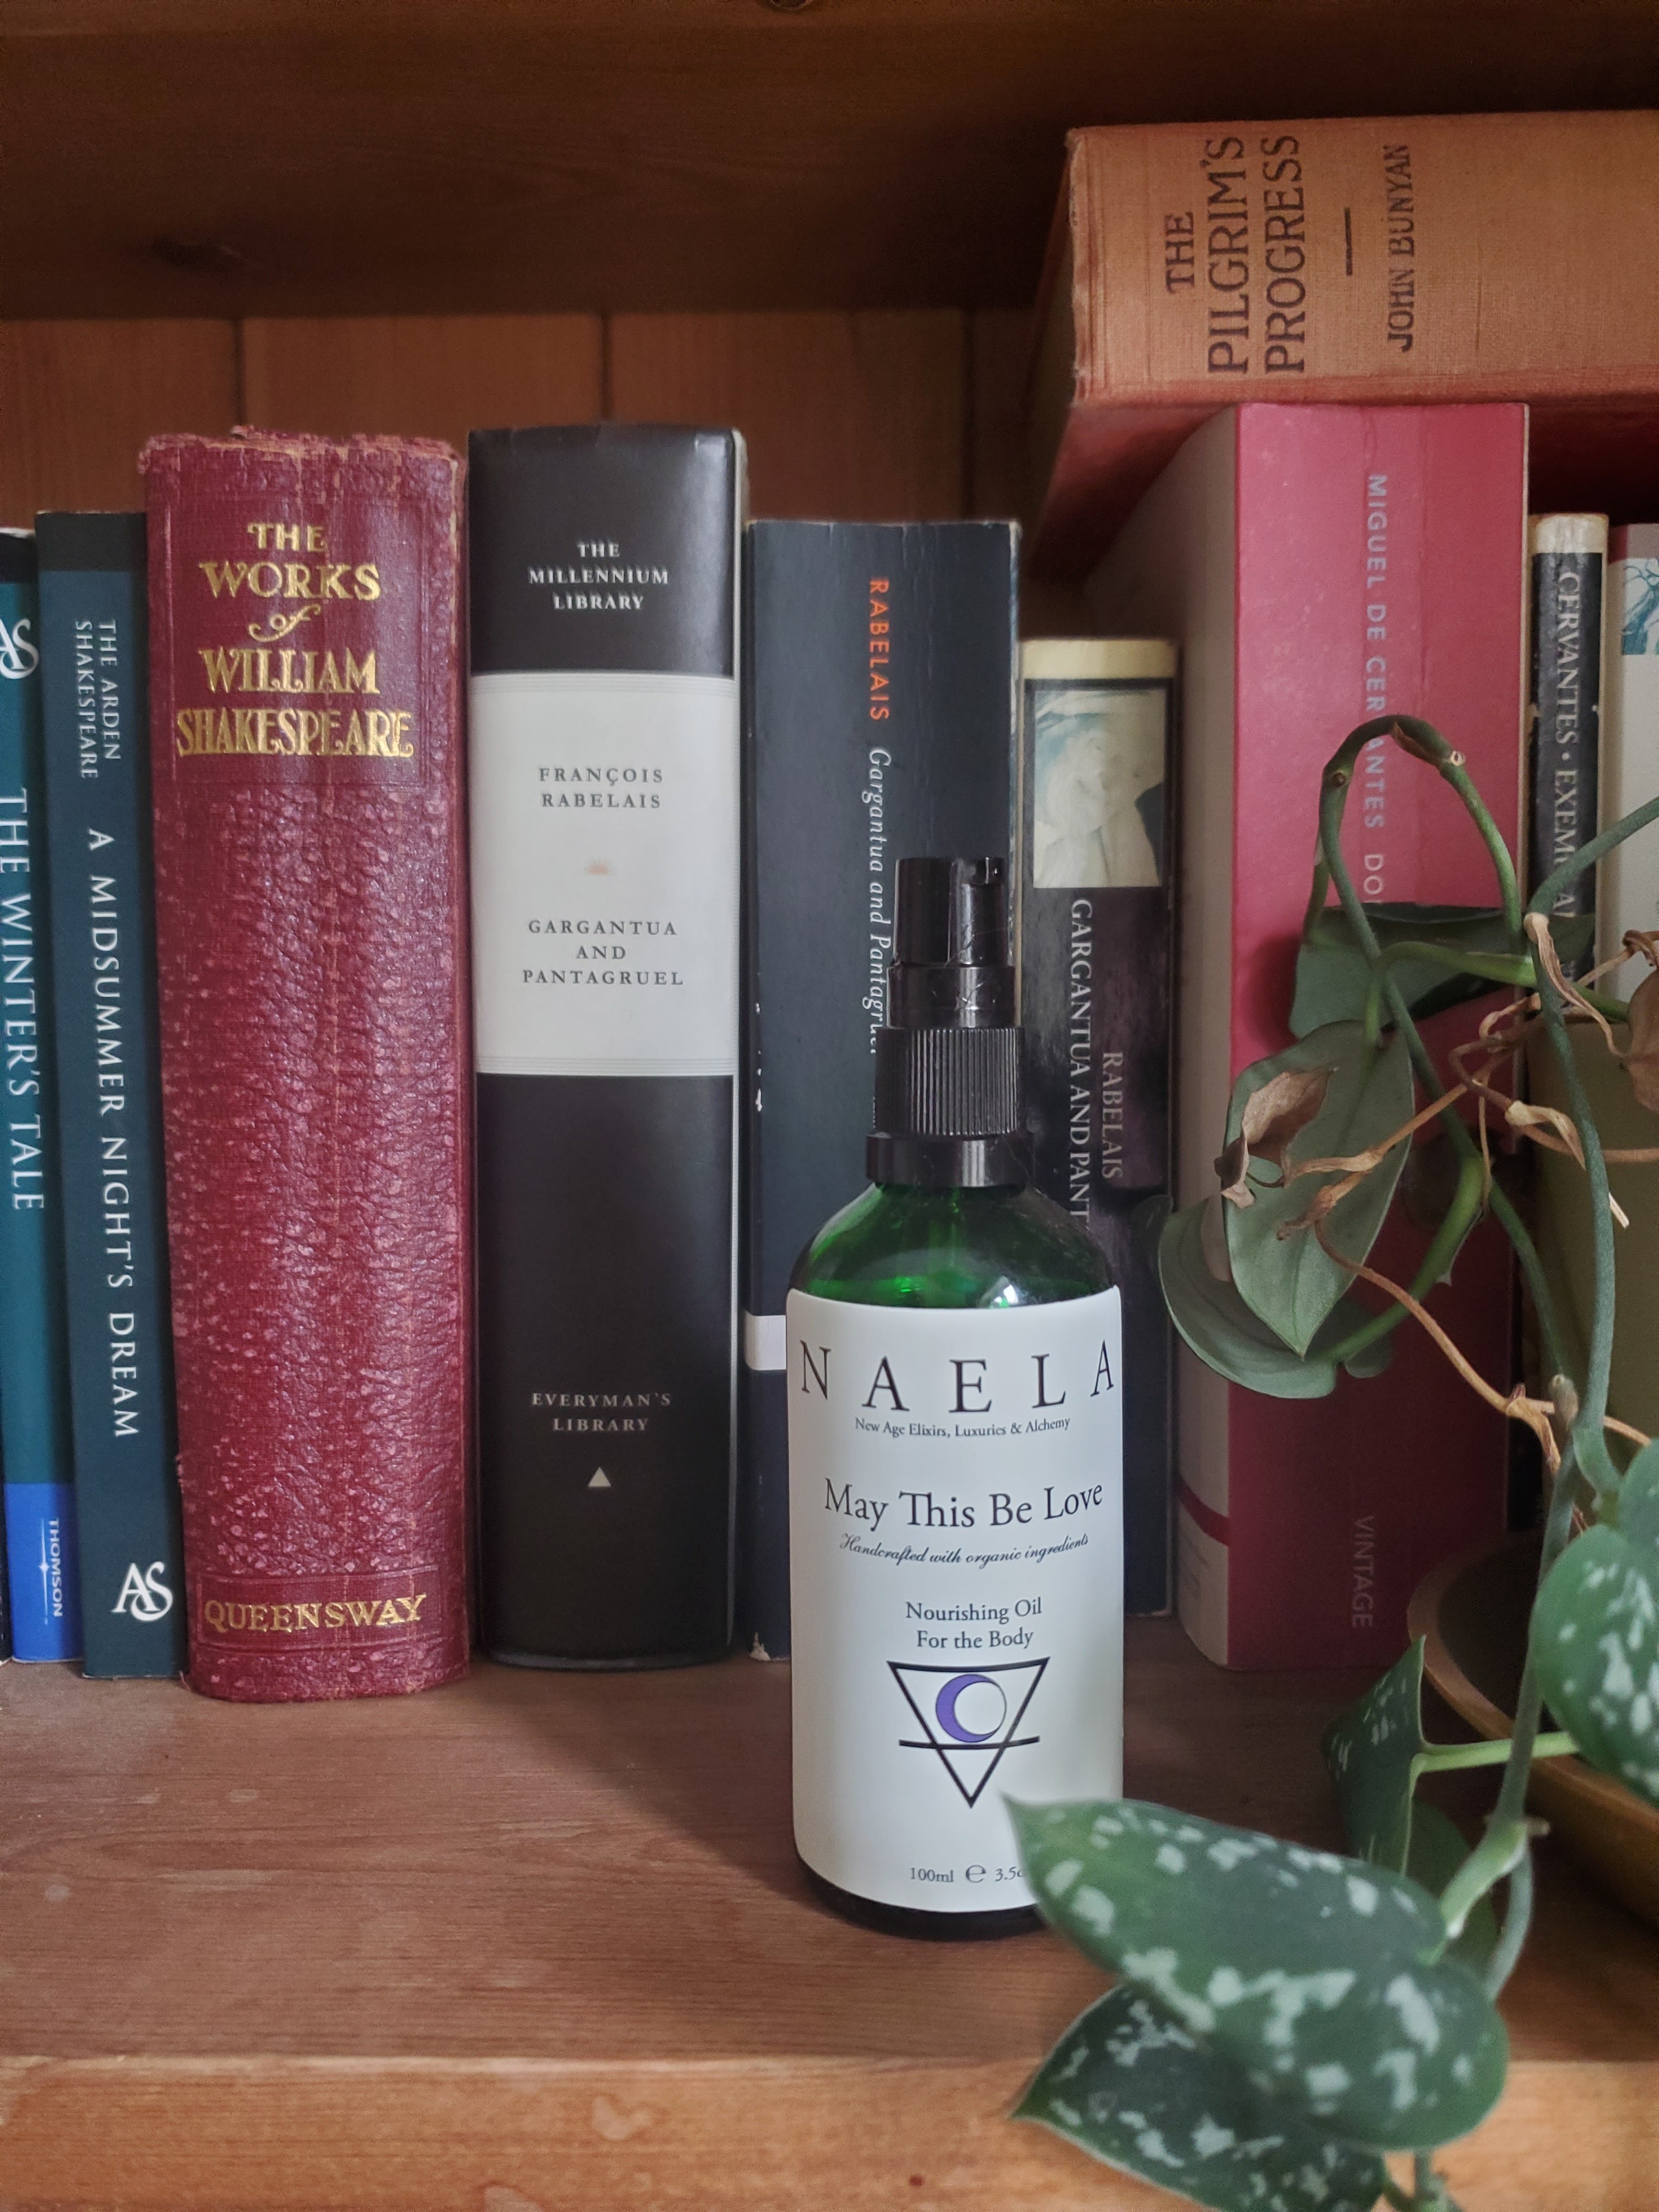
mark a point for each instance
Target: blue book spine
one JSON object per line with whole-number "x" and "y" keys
{"x": 93, "y": 605}
{"x": 34, "y": 1408}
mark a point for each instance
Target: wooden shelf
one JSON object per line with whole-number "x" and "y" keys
{"x": 299, "y": 157}
{"x": 541, "y": 1941}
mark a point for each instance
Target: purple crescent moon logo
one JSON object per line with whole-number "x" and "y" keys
{"x": 971, "y": 1719}
{"x": 944, "y": 1708}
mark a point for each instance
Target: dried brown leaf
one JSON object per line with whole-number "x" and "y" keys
{"x": 1328, "y": 1196}
{"x": 1533, "y": 1121}
{"x": 1642, "y": 1061}
{"x": 1641, "y": 944}
{"x": 1549, "y": 960}
{"x": 1357, "y": 1165}
{"x": 1277, "y": 1114}
{"x": 1233, "y": 1166}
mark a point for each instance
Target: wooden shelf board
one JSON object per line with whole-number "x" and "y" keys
{"x": 219, "y": 158}
{"x": 545, "y": 1935}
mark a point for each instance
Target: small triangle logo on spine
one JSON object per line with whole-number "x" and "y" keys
{"x": 599, "y": 1479}
{"x": 969, "y": 1716}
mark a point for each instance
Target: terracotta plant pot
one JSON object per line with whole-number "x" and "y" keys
{"x": 1471, "y": 1613}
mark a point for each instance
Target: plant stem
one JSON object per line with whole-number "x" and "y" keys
{"x": 1461, "y": 1217}
{"x": 1570, "y": 869}
{"x": 1558, "y": 1527}
{"x": 1452, "y": 1758}
{"x": 1528, "y": 1704}
{"x": 1514, "y": 968}
{"x": 1586, "y": 1425}
{"x": 1332, "y": 804}
{"x": 1458, "y": 776}
{"x": 1543, "y": 1298}
{"x": 1517, "y": 1918}
{"x": 1593, "y": 1454}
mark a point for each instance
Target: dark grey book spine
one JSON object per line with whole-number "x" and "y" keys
{"x": 1569, "y": 568}
{"x": 94, "y": 608}
{"x": 879, "y": 717}
{"x": 605, "y": 852}
{"x": 1095, "y": 943}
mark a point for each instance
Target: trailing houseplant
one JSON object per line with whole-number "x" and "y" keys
{"x": 1282, "y": 2017}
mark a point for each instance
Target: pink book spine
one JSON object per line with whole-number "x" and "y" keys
{"x": 1380, "y": 569}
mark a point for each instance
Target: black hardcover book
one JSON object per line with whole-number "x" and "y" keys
{"x": 880, "y": 716}
{"x": 605, "y": 853}
{"x": 1569, "y": 559}
{"x": 1095, "y": 940}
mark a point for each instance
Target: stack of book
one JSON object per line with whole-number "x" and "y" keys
{"x": 438, "y": 1014}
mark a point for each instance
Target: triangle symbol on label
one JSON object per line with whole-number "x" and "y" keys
{"x": 601, "y": 1481}
{"x": 932, "y": 1694}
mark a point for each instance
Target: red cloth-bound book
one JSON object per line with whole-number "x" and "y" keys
{"x": 1321, "y": 566}
{"x": 311, "y": 937}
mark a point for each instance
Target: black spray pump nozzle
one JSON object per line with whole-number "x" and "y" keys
{"x": 948, "y": 1112}
{"x": 950, "y": 967}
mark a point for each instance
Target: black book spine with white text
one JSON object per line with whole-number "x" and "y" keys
{"x": 879, "y": 726}
{"x": 1568, "y": 564}
{"x": 605, "y": 848}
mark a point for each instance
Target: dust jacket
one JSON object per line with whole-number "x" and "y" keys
{"x": 1094, "y": 944}
{"x": 92, "y": 620}
{"x": 880, "y": 726}
{"x": 38, "y": 1471}
{"x": 605, "y": 803}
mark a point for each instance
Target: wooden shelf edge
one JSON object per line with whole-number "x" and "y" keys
{"x": 415, "y": 2135}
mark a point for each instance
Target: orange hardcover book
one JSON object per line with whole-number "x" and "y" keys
{"x": 1379, "y": 259}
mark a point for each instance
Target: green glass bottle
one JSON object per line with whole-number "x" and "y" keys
{"x": 955, "y": 1387}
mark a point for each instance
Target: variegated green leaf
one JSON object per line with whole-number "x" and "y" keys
{"x": 1128, "y": 2084}
{"x": 1595, "y": 1635}
{"x": 1284, "y": 1273}
{"x": 1215, "y": 1322}
{"x": 1321, "y": 1977}
{"x": 1374, "y": 1752}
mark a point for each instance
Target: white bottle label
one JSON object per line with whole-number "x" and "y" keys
{"x": 955, "y": 1549}
{"x": 605, "y": 874}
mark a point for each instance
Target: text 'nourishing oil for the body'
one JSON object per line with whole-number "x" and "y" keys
{"x": 955, "y": 1464}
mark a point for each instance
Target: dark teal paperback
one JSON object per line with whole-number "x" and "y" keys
{"x": 93, "y": 605}
{"x": 35, "y": 1411}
